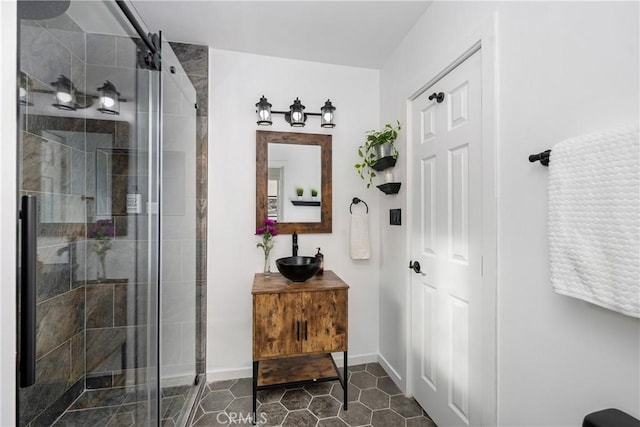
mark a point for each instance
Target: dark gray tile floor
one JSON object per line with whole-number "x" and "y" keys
{"x": 374, "y": 400}
{"x": 123, "y": 406}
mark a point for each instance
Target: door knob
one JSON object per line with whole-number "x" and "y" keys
{"x": 439, "y": 97}
{"x": 415, "y": 266}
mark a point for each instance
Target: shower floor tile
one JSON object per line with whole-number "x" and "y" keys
{"x": 373, "y": 400}
{"x": 120, "y": 407}
{"x": 87, "y": 417}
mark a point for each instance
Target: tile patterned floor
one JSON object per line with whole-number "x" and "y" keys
{"x": 374, "y": 400}
{"x": 123, "y": 406}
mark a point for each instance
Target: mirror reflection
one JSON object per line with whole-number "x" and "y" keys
{"x": 79, "y": 174}
{"x": 294, "y": 169}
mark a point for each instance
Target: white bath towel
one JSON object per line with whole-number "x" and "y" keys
{"x": 594, "y": 219}
{"x": 360, "y": 247}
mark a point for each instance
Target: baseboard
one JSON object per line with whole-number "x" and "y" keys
{"x": 229, "y": 374}
{"x": 393, "y": 374}
{"x": 232, "y": 374}
{"x": 358, "y": 359}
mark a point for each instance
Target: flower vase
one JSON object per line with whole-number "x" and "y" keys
{"x": 267, "y": 267}
{"x": 102, "y": 269}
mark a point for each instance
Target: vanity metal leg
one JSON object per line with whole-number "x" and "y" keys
{"x": 255, "y": 390}
{"x": 346, "y": 381}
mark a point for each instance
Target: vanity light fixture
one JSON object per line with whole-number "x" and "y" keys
{"x": 264, "y": 112}
{"x": 67, "y": 97}
{"x": 326, "y": 120}
{"x": 64, "y": 92}
{"x": 296, "y": 115}
{"x": 108, "y": 97}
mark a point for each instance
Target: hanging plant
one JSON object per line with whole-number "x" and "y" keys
{"x": 379, "y": 145}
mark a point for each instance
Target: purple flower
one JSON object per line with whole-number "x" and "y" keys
{"x": 102, "y": 230}
{"x": 268, "y": 227}
{"x": 267, "y": 231}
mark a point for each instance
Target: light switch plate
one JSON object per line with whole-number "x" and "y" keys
{"x": 395, "y": 217}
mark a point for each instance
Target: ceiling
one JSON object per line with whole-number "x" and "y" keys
{"x": 354, "y": 33}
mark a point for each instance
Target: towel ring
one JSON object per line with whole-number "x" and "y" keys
{"x": 355, "y": 201}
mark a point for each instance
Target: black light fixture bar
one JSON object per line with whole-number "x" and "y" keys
{"x": 86, "y": 95}
{"x": 265, "y": 112}
{"x": 78, "y": 99}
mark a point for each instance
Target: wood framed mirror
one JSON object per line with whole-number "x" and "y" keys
{"x": 298, "y": 160}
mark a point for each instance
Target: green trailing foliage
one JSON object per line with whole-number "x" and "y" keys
{"x": 367, "y": 153}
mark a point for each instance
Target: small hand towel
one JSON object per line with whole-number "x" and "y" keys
{"x": 360, "y": 247}
{"x": 594, "y": 219}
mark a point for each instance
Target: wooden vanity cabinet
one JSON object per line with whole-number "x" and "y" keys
{"x": 296, "y": 327}
{"x": 276, "y": 324}
{"x": 296, "y": 323}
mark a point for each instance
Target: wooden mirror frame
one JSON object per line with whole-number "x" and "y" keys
{"x": 263, "y": 138}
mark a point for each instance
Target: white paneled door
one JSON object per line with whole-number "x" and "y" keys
{"x": 446, "y": 239}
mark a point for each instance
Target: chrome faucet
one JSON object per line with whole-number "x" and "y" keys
{"x": 295, "y": 243}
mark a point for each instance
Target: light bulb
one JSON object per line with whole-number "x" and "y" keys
{"x": 107, "y": 101}
{"x": 327, "y": 117}
{"x": 23, "y": 92}
{"x": 64, "y": 97}
{"x": 264, "y": 114}
{"x": 296, "y": 116}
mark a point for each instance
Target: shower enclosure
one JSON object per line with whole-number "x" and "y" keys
{"x": 107, "y": 160}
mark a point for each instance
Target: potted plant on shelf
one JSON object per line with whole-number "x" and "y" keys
{"x": 299, "y": 192}
{"x": 378, "y": 152}
{"x": 314, "y": 194}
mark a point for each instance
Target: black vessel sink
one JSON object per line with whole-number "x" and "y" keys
{"x": 298, "y": 268}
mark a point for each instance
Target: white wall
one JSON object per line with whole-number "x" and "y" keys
{"x": 564, "y": 69}
{"x": 8, "y": 162}
{"x": 237, "y": 81}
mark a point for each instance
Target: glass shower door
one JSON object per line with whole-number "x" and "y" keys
{"x": 107, "y": 147}
{"x": 88, "y": 150}
{"x": 178, "y": 312}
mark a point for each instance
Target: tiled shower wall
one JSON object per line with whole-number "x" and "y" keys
{"x": 49, "y": 48}
{"x": 195, "y": 61}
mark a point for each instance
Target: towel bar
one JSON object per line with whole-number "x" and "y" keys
{"x": 542, "y": 157}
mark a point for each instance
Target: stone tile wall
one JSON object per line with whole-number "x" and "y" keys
{"x": 195, "y": 61}
{"x": 53, "y": 169}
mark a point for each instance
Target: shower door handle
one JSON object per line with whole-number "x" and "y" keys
{"x": 28, "y": 257}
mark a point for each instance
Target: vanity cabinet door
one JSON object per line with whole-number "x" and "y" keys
{"x": 276, "y": 324}
{"x": 324, "y": 315}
